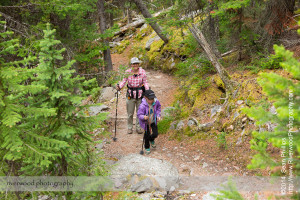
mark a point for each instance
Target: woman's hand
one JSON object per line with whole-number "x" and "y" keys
{"x": 117, "y": 87}
{"x": 158, "y": 119}
{"x": 146, "y": 117}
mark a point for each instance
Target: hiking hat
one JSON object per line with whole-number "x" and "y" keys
{"x": 149, "y": 94}
{"x": 135, "y": 60}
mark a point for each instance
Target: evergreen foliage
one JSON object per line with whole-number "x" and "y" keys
{"x": 285, "y": 93}
{"x": 43, "y": 125}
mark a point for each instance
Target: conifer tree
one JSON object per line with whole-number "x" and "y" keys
{"x": 15, "y": 111}
{"x": 70, "y": 127}
{"x": 285, "y": 93}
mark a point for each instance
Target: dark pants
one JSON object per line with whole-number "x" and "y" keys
{"x": 148, "y": 138}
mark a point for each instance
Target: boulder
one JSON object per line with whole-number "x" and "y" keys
{"x": 215, "y": 110}
{"x": 192, "y": 122}
{"x": 95, "y": 110}
{"x": 150, "y": 173}
{"x": 180, "y": 125}
{"x": 173, "y": 125}
{"x": 142, "y": 186}
{"x": 150, "y": 41}
{"x": 167, "y": 111}
{"x": 205, "y": 127}
{"x": 107, "y": 94}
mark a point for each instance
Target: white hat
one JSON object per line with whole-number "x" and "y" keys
{"x": 135, "y": 60}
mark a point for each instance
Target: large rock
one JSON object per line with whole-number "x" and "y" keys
{"x": 153, "y": 174}
{"x": 107, "y": 94}
{"x": 192, "y": 122}
{"x": 205, "y": 127}
{"x": 167, "y": 111}
{"x": 150, "y": 41}
{"x": 95, "y": 110}
{"x": 180, "y": 125}
{"x": 215, "y": 110}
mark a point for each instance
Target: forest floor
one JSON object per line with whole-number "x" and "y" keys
{"x": 191, "y": 158}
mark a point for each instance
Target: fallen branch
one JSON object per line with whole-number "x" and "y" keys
{"x": 137, "y": 23}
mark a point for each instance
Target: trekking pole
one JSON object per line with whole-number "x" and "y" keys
{"x": 115, "y": 137}
{"x": 142, "y": 151}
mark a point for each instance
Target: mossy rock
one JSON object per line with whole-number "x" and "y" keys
{"x": 218, "y": 81}
{"x": 209, "y": 95}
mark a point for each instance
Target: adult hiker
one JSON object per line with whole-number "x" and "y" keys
{"x": 149, "y": 114}
{"x": 137, "y": 81}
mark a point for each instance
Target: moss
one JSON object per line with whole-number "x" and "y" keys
{"x": 218, "y": 81}
{"x": 122, "y": 46}
{"x": 210, "y": 95}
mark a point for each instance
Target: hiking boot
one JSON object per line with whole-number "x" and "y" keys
{"x": 147, "y": 151}
{"x": 139, "y": 130}
{"x": 129, "y": 131}
{"x": 152, "y": 144}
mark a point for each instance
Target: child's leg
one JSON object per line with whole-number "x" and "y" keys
{"x": 154, "y": 132}
{"x": 147, "y": 138}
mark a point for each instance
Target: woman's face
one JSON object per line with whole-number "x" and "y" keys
{"x": 135, "y": 66}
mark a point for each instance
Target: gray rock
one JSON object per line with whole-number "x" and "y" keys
{"x": 172, "y": 188}
{"x": 162, "y": 172}
{"x": 236, "y": 114}
{"x": 143, "y": 27}
{"x": 150, "y": 41}
{"x": 107, "y": 94}
{"x": 271, "y": 126}
{"x": 113, "y": 44}
{"x": 180, "y": 125}
{"x": 173, "y": 64}
{"x": 204, "y": 165}
{"x": 167, "y": 111}
{"x": 95, "y": 110}
{"x": 173, "y": 125}
{"x": 192, "y": 122}
{"x": 273, "y": 110}
{"x": 145, "y": 196}
{"x": 142, "y": 186}
{"x": 205, "y": 127}
{"x": 161, "y": 182}
{"x": 239, "y": 102}
{"x": 99, "y": 145}
{"x": 215, "y": 110}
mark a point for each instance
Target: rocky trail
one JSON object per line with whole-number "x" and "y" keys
{"x": 189, "y": 158}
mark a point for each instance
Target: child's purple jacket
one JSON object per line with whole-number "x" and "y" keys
{"x": 144, "y": 110}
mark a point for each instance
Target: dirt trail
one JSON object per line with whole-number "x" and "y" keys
{"x": 186, "y": 157}
{"x": 189, "y": 157}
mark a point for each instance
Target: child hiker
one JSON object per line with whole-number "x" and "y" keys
{"x": 149, "y": 114}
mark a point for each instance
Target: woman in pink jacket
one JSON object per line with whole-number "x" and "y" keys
{"x": 136, "y": 79}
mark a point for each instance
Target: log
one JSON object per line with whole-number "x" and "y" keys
{"x": 137, "y": 23}
{"x": 198, "y": 35}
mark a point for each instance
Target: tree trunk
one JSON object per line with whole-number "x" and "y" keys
{"x": 153, "y": 24}
{"x": 229, "y": 84}
{"x": 212, "y": 32}
{"x": 129, "y": 16}
{"x": 102, "y": 24}
{"x": 240, "y": 22}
